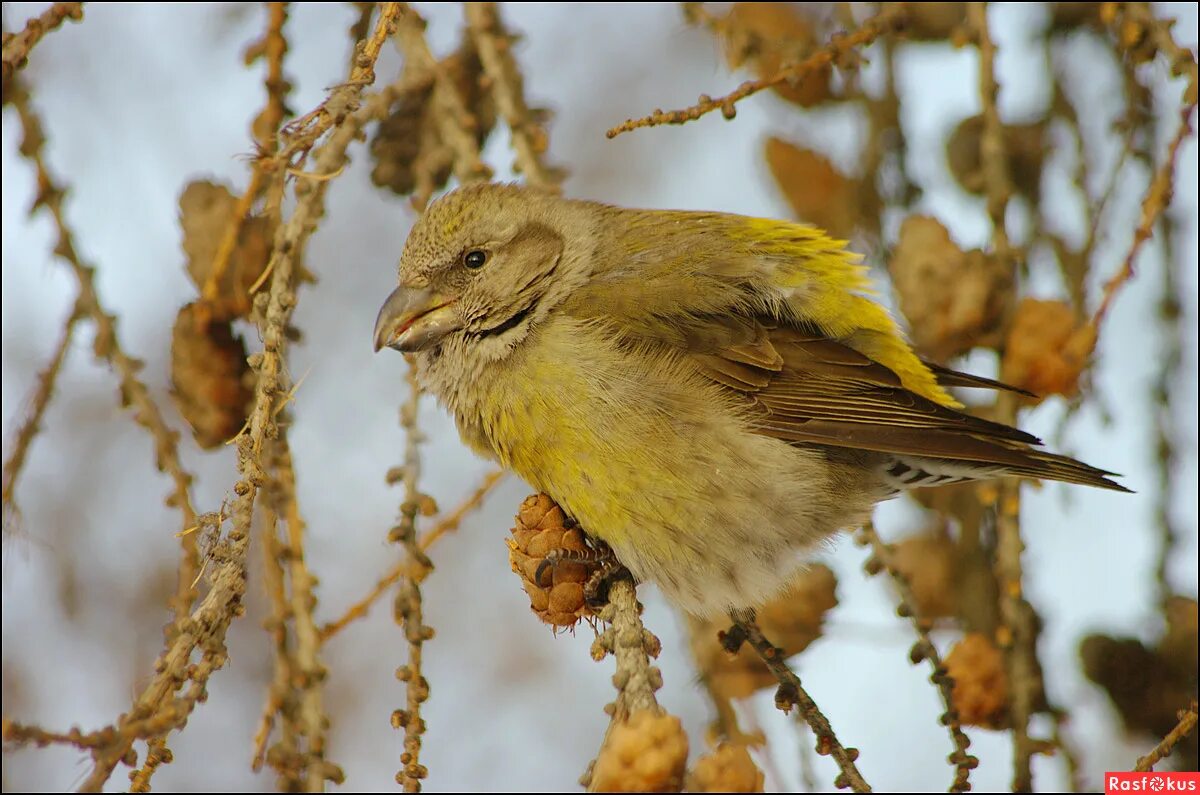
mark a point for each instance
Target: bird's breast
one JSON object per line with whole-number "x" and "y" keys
{"x": 646, "y": 455}
{"x": 602, "y": 429}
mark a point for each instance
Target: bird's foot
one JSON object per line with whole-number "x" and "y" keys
{"x": 599, "y": 557}
{"x": 595, "y": 590}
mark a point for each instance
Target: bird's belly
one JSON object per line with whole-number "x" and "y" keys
{"x": 674, "y": 481}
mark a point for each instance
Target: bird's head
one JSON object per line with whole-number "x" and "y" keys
{"x": 482, "y": 265}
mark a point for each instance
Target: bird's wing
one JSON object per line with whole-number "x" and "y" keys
{"x": 807, "y": 388}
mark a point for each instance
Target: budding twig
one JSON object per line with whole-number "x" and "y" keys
{"x": 38, "y": 402}
{"x": 889, "y": 19}
{"x": 923, "y": 649}
{"x": 1187, "y": 722}
{"x": 1015, "y": 613}
{"x": 791, "y": 693}
{"x": 18, "y": 45}
{"x": 529, "y": 139}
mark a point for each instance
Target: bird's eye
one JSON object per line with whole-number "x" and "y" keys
{"x": 475, "y": 259}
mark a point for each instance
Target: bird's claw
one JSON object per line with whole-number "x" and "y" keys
{"x": 599, "y": 557}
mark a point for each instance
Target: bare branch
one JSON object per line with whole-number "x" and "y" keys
{"x": 18, "y": 45}
{"x": 889, "y": 19}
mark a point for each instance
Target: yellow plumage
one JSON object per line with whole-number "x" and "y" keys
{"x": 710, "y": 394}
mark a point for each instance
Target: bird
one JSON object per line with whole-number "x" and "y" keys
{"x": 713, "y": 396}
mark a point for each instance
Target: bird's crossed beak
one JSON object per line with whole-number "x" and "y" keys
{"x": 413, "y": 319}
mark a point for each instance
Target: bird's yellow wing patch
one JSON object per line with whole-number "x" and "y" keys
{"x": 820, "y": 282}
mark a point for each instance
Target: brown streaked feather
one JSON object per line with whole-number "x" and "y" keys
{"x": 948, "y": 377}
{"x": 733, "y": 374}
{"x": 810, "y": 389}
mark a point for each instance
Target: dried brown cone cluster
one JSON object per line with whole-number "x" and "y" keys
{"x": 980, "y": 693}
{"x": 792, "y": 621}
{"x": 543, "y": 532}
{"x": 936, "y": 22}
{"x": 646, "y": 753}
{"x": 1147, "y": 684}
{"x": 407, "y": 147}
{"x": 1047, "y": 349}
{"x": 817, "y": 191}
{"x": 1024, "y": 146}
{"x": 210, "y": 378}
{"x": 726, "y": 768}
{"x": 205, "y": 212}
{"x": 954, "y": 299}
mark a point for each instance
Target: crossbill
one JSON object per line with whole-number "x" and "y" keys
{"x": 712, "y": 395}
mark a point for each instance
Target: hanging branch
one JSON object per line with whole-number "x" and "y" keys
{"x": 408, "y": 607}
{"x": 295, "y": 693}
{"x": 155, "y": 712}
{"x": 448, "y": 524}
{"x": 792, "y": 694}
{"x": 273, "y": 47}
{"x": 37, "y": 402}
{"x": 882, "y": 555}
{"x": 529, "y": 138}
{"x": 107, "y": 346}
{"x": 1018, "y": 633}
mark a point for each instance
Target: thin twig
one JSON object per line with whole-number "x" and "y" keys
{"x": 295, "y": 692}
{"x": 157, "y": 754}
{"x": 307, "y": 671}
{"x": 1157, "y": 198}
{"x": 408, "y": 607}
{"x": 889, "y": 19}
{"x": 273, "y": 47}
{"x": 18, "y": 45}
{"x": 447, "y": 524}
{"x": 1187, "y": 722}
{"x": 302, "y": 133}
{"x": 455, "y": 123}
{"x": 107, "y": 347}
{"x": 791, "y": 693}
{"x": 882, "y": 554}
{"x": 1018, "y": 634}
{"x": 37, "y": 402}
{"x": 278, "y": 690}
{"x": 494, "y": 45}
{"x": 18, "y": 735}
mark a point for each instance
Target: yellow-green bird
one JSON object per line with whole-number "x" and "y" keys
{"x": 712, "y": 395}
